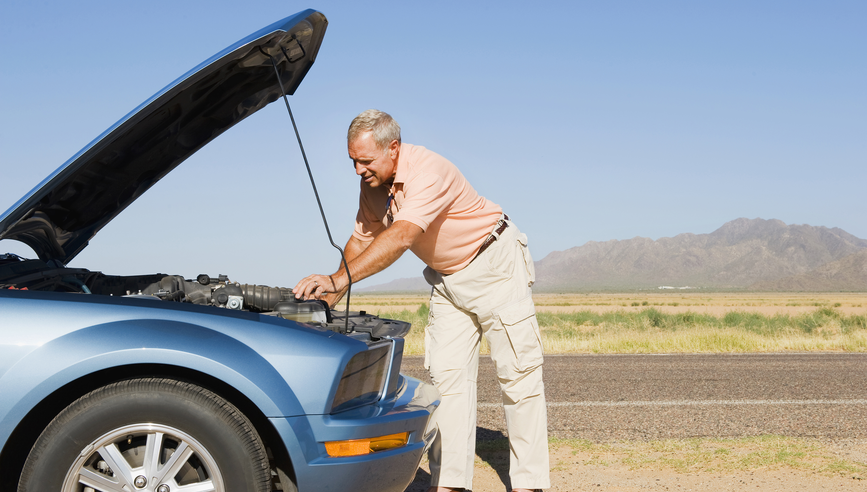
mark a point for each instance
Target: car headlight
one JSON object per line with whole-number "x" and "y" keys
{"x": 363, "y": 379}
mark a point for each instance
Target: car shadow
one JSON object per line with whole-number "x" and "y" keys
{"x": 492, "y": 448}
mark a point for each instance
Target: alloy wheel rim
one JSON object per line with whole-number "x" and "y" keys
{"x": 144, "y": 458}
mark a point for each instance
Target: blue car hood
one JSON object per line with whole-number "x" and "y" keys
{"x": 60, "y": 216}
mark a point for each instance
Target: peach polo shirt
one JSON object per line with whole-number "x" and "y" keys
{"x": 430, "y": 192}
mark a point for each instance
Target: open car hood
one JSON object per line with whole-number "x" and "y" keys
{"x": 60, "y": 215}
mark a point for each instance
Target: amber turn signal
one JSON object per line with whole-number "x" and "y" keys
{"x": 358, "y": 447}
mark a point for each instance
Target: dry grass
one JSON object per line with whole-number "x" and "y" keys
{"x": 672, "y": 323}
{"x": 705, "y": 303}
{"x": 715, "y": 455}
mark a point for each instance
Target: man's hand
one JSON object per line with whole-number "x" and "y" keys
{"x": 353, "y": 248}
{"x": 316, "y": 287}
{"x": 364, "y": 259}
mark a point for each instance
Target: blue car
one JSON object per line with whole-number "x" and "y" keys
{"x": 165, "y": 384}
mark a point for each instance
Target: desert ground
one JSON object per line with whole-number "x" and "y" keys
{"x": 612, "y": 467}
{"x": 763, "y": 464}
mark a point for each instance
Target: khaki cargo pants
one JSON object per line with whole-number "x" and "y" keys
{"x": 490, "y": 297}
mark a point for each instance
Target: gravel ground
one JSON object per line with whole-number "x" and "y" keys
{"x": 606, "y": 398}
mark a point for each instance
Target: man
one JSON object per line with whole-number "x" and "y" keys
{"x": 481, "y": 272}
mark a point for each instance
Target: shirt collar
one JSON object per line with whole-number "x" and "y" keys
{"x": 400, "y": 173}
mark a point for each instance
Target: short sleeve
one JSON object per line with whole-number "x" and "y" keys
{"x": 368, "y": 223}
{"x": 427, "y": 197}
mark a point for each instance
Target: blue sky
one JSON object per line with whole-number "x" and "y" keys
{"x": 586, "y": 121}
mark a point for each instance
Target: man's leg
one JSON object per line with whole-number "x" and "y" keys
{"x": 526, "y": 421}
{"x": 524, "y": 403}
{"x": 496, "y": 288}
{"x": 452, "y": 350}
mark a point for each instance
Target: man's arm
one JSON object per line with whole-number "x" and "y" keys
{"x": 353, "y": 248}
{"x": 368, "y": 259}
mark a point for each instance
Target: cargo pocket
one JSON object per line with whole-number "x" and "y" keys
{"x": 528, "y": 260}
{"x": 519, "y": 322}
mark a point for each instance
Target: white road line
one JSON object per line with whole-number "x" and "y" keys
{"x": 690, "y": 403}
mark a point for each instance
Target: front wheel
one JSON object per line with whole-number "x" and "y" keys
{"x": 148, "y": 435}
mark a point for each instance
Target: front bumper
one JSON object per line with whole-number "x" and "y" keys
{"x": 409, "y": 411}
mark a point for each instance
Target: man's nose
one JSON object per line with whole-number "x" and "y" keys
{"x": 359, "y": 169}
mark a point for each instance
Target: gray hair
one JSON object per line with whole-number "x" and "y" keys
{"x": 383, "y": 126}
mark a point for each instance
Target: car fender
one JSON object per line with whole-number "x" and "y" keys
{"x": 142, "y": 341}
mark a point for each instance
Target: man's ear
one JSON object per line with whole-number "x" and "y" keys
{"x": 393, "y": 149}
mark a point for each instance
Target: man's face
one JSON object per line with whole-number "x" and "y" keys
{"x": 375, "y": 166}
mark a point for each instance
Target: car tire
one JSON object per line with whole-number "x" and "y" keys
{"x": 144, "y": 435}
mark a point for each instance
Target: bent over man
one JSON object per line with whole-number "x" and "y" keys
{"x": 481, "y": 272}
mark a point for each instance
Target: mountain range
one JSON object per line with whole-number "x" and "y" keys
{"x": 753, "y": 254}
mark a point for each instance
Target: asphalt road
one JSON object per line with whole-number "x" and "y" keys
{"x": 604, "y": 397}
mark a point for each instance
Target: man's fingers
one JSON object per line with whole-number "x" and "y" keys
{"x": 310, "y": 291}
{"x": 302, "y": 290}
{"x": 313, "y": 286}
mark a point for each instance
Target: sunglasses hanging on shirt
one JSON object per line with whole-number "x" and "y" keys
{"x": 388, "y": 213}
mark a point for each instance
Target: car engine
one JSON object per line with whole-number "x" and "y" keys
{"x": 19, "y": 273}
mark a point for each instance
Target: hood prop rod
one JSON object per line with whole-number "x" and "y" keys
{"x": 315, "y": 192}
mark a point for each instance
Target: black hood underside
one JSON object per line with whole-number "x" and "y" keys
{"x": 60, "y": 216}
